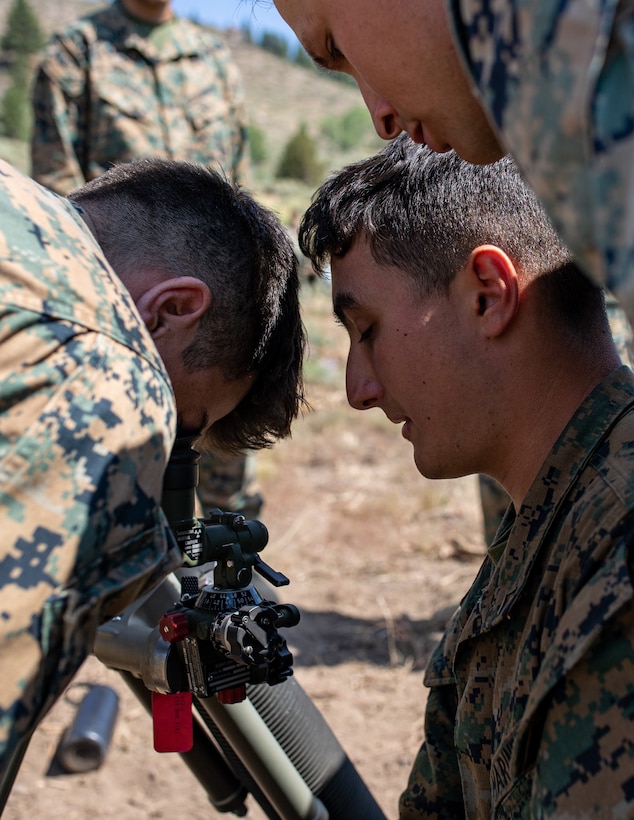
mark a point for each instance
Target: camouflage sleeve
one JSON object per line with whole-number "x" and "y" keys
{"x": 57, "y": 142}
{"x": 434, "y": 788}
{"x": 87, "y": 421}
{"x": 585, "y": 760}
{"x": 84, "y": 438}
{"x": 556, "y": 79}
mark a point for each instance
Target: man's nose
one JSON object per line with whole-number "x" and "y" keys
{"x": 362, "y": 389}
{"x": 384, "y": 116}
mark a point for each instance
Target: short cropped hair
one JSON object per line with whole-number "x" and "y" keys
{"x": 424, "y": 213}
{"x": 186, "y": 219}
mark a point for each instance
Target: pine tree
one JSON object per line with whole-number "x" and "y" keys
{"x": 23, "y": 33}
{"x": 274, "y": 43}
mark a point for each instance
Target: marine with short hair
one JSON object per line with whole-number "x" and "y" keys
{"x": 473, "y": 330}
{"x": 198, "y": 332}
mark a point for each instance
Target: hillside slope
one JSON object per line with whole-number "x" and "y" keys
{"x": 51, "y": 13}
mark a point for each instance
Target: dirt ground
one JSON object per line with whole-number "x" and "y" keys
{"x": 377, "y": 557}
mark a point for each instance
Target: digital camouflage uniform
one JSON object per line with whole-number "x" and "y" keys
{"x": 493, "y": 498}
{"x": 111, "y": 89}
{"x": 531, "y": 703}
{"x": 87, "y": 420}
{"x": 558, "y": 80}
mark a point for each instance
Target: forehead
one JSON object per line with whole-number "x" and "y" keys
{"x": 294, "y": 11}
{"x": 291, "y": 10}
{"x": 359, "y": 20}
{"x": 358, "y": 281}
{"x": 305, "y": 18}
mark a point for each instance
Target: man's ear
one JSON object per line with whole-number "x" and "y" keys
{"x": 174, "y": 305}
{"x": 494, "y": 288}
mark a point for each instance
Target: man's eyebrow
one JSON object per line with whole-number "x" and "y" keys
{"x": 341, "y": 303}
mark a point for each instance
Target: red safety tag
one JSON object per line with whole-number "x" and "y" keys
{"x": 173, "y": 722}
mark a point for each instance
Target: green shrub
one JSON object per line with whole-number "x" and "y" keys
{"x": 349, "y": 130}
{"x": 299, "y": 159}
{"x": 15, "y": 112}
{"x": 257, "y": 145}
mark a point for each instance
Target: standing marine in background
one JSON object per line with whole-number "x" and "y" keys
{"x": 133, "y": 80}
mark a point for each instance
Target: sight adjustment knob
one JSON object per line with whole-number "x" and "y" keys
{"x": 173, "y": 627}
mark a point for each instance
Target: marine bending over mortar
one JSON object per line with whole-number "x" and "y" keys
{"x": 198, "y": 332}
{"x": 551, "y": 83}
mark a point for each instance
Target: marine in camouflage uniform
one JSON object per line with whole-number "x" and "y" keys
{"x": 531, "y": 699}
{"x": 112, "y": 88}
{"x": 87, "y": 421}
{"x": 556, "y": 79}
{"x": 536, "y": 669}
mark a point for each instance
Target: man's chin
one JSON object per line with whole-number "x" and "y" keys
{"x": 435, "y": 471}
{"x": 482, "y": 152}
{"x": 428, "y": 469}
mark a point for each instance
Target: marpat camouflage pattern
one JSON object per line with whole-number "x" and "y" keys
{"x": 558, "y": 81}
{"x": 531, "y": 702}
{"x": 106, "y": 94}
{"x": 87, "y": 421}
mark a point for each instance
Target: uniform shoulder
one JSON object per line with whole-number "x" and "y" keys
{"x": 102, "y": 24}
{"x": 50, "y": 263}
{"x": 202, "y": 36}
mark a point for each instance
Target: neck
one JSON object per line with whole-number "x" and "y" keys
{"x": 536, "y": 420}
{"x": 149, "y": 12}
